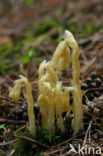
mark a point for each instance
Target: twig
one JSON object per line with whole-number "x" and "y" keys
{"x": 1, "y": 151}
{"x": 57, "y": 148}
{"x": 12, "y": 121}
{"x": 8, "y": 99}
{"x": 35, "y": 141}
{"x": 26, "y": 138}
{"x": 92, "y": 115}
{"x": 64, "y": 142}
{"x": 10, "y": 142}
{"x": 21, "y": 128}
{"x": 5, "y": 98}
{"x": 92, "y": 89}
{"x": 68, "y": 140}
{"x": 47, "y": 153}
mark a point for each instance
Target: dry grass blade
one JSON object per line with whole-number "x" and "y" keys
{"x": 87, "y": 133}
{"x": 2, "y": 121}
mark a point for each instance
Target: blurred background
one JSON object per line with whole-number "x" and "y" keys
{"x": 31, "y": 29}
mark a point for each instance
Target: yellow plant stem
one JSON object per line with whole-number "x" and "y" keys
{"x": 15, "y": 95}
{"x": 53, "y": 96}
{"x": 47, "y": 82}
{"x": 61, "y": 56}
{"x": 77, "y": 94}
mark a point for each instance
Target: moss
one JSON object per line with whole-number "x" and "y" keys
{"x": 28, "y": 55}
{"x": 5, "y": 49}
{"x": 28, "y": 148}
{"x": 86, "y": 29}
{"x": 28, "y": 2}
{"x": 11, "y": 49}
{"x": 8, "y": 52}
{"x": 39, "y": 154}
{"x": 23, "y": 146}
{"x": 46, "y": 137}
{"x": 45, "y": 25}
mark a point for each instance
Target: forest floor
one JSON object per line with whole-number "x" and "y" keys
{"x": 30, "y": 34}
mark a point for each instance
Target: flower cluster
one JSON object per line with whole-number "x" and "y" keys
{"x": 53, "y": 97}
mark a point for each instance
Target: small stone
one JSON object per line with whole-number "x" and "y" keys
{"x": 88, "y": 80}
{"x": 23, "y": 106}
{"x": 90, "y": 96}
{"x": 92, "y": 85}
{"x": 97, "y": 93}
{"x": 85, "y": 107}
{"x": 96, "y": 111}
{"x": 94, "y": 76}
{"x": 91, "y": 104}
{"x": 84, "y": 86}
{"x": 98, "y": 81}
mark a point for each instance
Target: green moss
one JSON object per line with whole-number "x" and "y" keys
{"x": 12, "y": 52}
{"x": 29, "y": 148}
{"x": 46, "y": 137}
{"x": 28, "y": 2}
{"x": 23, "y": 146}
{"x": 28, "y": 40}
{"x": 39, "y": 154}
{"x": 8, "y": 55}
{"x": 28, "y": 55}
{"x": 45, "y": 25}
{"x": 5, "y": 49}
{"x": 38, "y": 59}
{"x": 86, "y": 29}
